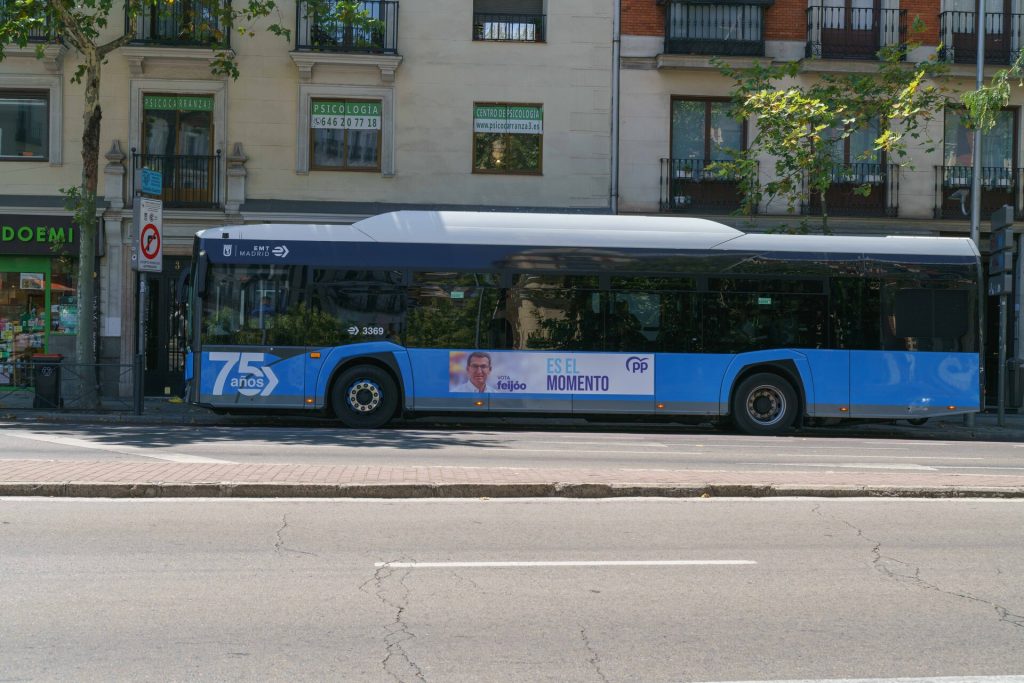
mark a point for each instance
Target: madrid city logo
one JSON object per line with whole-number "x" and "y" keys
{"x": 227, "y": 250}
{"x": 243, "y": 372}
{"x": 637, "y": 365}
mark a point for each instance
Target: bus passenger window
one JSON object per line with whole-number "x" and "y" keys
{"x": 450, "y": 310}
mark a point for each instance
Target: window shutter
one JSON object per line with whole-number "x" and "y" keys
{"x": 508, "y": 6}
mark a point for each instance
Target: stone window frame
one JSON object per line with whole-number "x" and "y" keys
{"x": 309, "y": 91}
{"x": 54, "y": 88}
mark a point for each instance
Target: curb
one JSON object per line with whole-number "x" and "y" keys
{"x": 540, "y": 490}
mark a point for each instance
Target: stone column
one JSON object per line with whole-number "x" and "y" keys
{"x": 236, "y": 179}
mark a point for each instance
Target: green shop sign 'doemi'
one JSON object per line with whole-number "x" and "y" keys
{"x": 41, "y": 235}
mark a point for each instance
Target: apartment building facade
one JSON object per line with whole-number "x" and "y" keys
{"x": 463, "y": 104}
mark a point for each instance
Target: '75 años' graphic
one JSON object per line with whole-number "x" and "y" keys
{"x": 243, "y": 373}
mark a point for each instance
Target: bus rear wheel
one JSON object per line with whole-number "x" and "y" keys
{"x": 764, "y": 404}
{"x": 364, "y": 397}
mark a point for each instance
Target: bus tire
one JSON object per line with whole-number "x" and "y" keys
{"x": 364, "y": 397}
{"x": 764, "y": 404}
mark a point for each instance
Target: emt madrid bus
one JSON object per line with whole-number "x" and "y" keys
{"x": 591, "y": 315}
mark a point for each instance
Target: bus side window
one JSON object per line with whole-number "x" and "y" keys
{"x": 351, "y": 312}
{"x": 556, "y": 312}
{"x": 450, "y": 310}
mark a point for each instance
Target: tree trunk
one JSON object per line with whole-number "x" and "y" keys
{"x": 87, "y": 352}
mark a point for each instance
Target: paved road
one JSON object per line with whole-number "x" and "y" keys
{"x": 344, "y": 590}
{"x": 632, "y": 449}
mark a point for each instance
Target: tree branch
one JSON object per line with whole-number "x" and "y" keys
{"x": 120, "y": 41}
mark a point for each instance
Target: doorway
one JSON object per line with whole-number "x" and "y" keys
{"x": 165, "y": 329}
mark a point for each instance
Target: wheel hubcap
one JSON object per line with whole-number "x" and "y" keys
{"x": 766, "y": 405}
{"x": 364, "y": 396}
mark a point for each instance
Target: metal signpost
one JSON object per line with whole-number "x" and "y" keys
{"x": 1000, "y": 283}
{"x": 147, "y": 257}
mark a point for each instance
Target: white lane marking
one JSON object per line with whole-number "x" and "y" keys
{"x": 975, "y": 467}
{"x": 930, "y": 679}
{"x": 122, "y": 449}
{"x": 587, "y": 443}
{"x": 571, "y": 563}
{"x": 893, "y": 457}
{"x": 497, "y": 448}
{"x": 852, "y": 465}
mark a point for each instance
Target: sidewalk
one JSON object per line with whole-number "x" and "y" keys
{"x": 120, "y": 479}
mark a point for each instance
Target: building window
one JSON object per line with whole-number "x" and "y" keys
{"x": 997, "y": 143}
{"x": 508, "y": 138}
{"x": 509, "y": 20}
{"x": 345, "y": 135}
{"x": 24, "y": 125}
{"x": 704, "y": 131}
{"x": 177, "y": 141}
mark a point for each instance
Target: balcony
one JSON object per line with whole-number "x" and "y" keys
{"x": 687, "y": 186}
{"x": 725, "y": 29}
{"x": 1003, "y": 33}
{"x": 853, "y": 33}
{"x": 521, "y": 28}
{"x": 999, "y": 186}
{"x": 377, "y": 34}
{"x": 843, "y": 198}
{"x": 179, "y": 24}
{"x": 189, "y": 181}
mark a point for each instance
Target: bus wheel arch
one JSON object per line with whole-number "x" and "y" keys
{"x": 767, "y": 398}
{"x": 364, "y": 393}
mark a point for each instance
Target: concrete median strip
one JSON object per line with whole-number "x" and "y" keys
{"x": 105, "y": 479}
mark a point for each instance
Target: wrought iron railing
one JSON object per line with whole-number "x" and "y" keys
{"x": 731, "y": 29}
{"x": 853, "y": 33}
{"x": 693, "y": 185}
{"x": 187, "y": 23}
{"x": 189, "y": 181}
{"x": 846, "y": 196}
{"x": 522, "y": 28}
{"x": 999, "y": 186}
{"x": 375, "y": 32}
{"x": 959, "y": 37}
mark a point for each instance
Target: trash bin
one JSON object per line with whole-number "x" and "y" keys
{"x": 46, "y": 377}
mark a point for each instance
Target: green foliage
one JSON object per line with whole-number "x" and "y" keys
{"x": 798, "y": 125}
{"x": 982, "y": 105}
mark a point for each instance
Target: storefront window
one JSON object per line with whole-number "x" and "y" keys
{"x": 22, "y": 321}
{"x": 64, "y": 297}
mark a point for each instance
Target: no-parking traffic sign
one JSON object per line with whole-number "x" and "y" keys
{"x": 149, "y": 254}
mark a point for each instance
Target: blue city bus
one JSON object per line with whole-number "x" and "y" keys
{"x": 416, "y": 312}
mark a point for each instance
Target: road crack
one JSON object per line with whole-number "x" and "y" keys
{"x": 280, "y": 547}
{"x": 395, "y": 595}
{"x": 594, "y": 660}
{"x": 898, "y": 570}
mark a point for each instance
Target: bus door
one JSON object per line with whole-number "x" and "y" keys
{"x": 253, "y": 337}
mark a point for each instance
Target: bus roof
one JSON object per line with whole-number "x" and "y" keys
{"x": 583, "y": 230}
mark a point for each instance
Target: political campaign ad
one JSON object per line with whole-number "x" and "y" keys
{"x": 510, "y": 372}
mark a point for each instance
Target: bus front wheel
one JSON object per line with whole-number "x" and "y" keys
{"x": 764, "y": 404}
{"x": 364, "y": 397}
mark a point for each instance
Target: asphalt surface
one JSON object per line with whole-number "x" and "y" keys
{"x": 510, "y": 590}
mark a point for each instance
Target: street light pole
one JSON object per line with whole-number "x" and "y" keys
{"x": 979, "y": 24}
